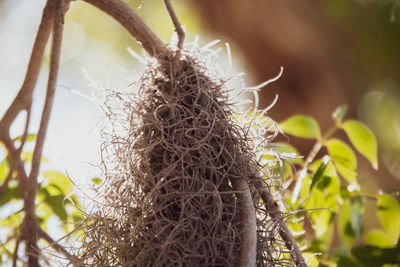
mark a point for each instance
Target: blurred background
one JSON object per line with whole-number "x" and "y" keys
{"x": 333, "y": 52}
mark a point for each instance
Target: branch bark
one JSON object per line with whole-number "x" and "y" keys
{"x": 24, "y": 97}
{"x": 128, "y": 18}
{"x": 177, "y": 24}
{"x": 15, "y": 253}
{"x": 30, "y": 227}
{"x": 51, "y": 85}
{"x": 23, "y": 100}
{"x": 248, "y": 236}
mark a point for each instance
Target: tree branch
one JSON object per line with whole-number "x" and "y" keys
{"x": 15, "y": 253}
{"x": 23, "y": 100}
{"x": 124, "y": 14}
{"x": 177, "y": 24}
{"x": 247, "y": 214}
{"x": 24, "y": 97}
{"x": 284, "y": 232}
{"x": 54, "y": 244}
{"x": 25, "y": 134}
{"x": 51, "y": 85}
{"x": 30, "y": 228}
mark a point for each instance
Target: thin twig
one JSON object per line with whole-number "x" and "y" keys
{"x": 301, "y": 174}
{"x": 15, "y": 253}
{"x": 124, "y": 14}
{"x": 51, "y": 85}
{"x": 54, "y": 244}
{"x": 30, "y": 227}
{"x": 178, "y": 27}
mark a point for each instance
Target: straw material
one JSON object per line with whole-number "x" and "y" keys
{"x": 170, "y": 157}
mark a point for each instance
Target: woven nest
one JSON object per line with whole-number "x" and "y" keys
{"x": 170, "y": 157}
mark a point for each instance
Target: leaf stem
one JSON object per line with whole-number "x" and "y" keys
{"x": 301, "y": 174}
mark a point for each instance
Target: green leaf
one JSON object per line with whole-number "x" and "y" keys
{"x": 356, "y": 213}
{"x": 4, "y": 169}
{"x": 389, "y": 216}
{"x": 320, "y": 171}
{"x": 305, "y": 190}
{"x": 54, "y": 190}
{"x": 60, "y": 180}
{"x": 301, "y": 126}
{"x": 56, "y": 204}
{"x": 339, "y": 113}
{"x": 76, "y": 216}
{"x": 324, "y": 183}
{"x": 13, "y": 220}
{"x": 344, "y": 158}
{"x": 27, "y": 157}
{"x": 330, "y": 180}
{"x": 333, "y": 188}
{"x": 363, "y": 140}
{"x": 42, "y": 220}
{"x": 346, "y": 232}
{"x": 312, "y": 260}
{"x": 29, "y": 138}
{"x": 374, "y": 256}
{"x": 347, "y": 262}
{"x": 321, "y": 219}
{"x": 97, "y": 180}
{"x": 379, "y": 239}
{"x": 11, "y": 193}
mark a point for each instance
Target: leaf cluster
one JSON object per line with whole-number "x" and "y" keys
{"x": 327, "y": 201}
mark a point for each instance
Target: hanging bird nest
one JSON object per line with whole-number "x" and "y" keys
{"x": 173, "y": 154}
{"x": 185, "y": 184}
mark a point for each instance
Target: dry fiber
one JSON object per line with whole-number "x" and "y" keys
{"x": 170, "y": 158}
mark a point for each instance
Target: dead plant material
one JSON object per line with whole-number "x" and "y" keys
{"x": 171, "y": 159}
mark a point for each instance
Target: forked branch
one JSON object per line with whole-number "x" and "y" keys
{"x": 51, "y": 86}
{"x": 24, "y": 98}
{"x": 30, "y": 229}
